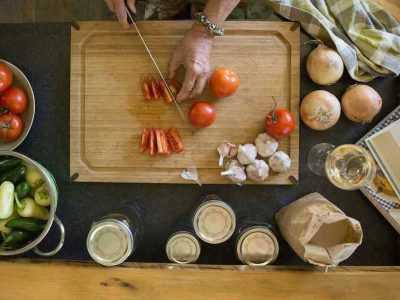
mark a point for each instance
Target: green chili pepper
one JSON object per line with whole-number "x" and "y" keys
{"x": 8, "y": 162}
{"x": 13, "y": 175}
{"x": 22, "y": 189}
{"x": 27, "y": 224}
{"x": 15, "y": 238}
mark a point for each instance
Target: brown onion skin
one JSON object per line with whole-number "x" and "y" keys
{"x": 361, "y": 103}
{"x": 326, "y": 102}
{"x": 324, "y": 65}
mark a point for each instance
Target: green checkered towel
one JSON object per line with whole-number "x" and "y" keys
{"x": 365, "y": 35}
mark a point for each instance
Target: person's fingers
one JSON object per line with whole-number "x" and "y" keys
{"x": 173, "y": 64}
{"x": 199, "y": 86}
{"x": 202, "y": 78}
{"x": 187, "y": 85}
{"x": 120, "y": 11}
{"x": 110, "y": 5}
{"x": 132, "y": 5}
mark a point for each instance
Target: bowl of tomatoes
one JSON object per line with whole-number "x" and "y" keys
{"x": 17, "y": 106}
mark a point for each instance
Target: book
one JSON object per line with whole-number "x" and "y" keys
{"x": 385, "y": 148}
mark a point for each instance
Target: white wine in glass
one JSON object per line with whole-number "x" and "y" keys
{"x": 349, "y": 167}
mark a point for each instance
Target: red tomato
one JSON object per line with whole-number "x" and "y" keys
{"x": 174, "y": 140}
{"x": 6, "y": 77}
{"x": 15, "y": 100}
{"x": 202, "y": 114}
{"x": 224, "y": 82}
{"x": 279, "y": 123}
{"x": 10, "y": 126}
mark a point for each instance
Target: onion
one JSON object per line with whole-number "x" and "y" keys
{"x": 324, "y": 65}
{"x": 361, "y": 103}
{"x": 320, "y": 110}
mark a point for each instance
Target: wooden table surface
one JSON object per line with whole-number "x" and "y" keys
{"x": 162, "y": 281}
{"x": 61, "y": 280}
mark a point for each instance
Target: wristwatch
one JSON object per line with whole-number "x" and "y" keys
{"x": 212, "y": 29}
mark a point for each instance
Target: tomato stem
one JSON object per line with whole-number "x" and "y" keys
{"x": 273, "y": 116}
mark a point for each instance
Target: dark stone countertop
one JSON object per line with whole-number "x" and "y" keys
{"x": 42, "y": 52}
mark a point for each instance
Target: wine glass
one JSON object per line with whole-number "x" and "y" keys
{"x": 348, "y": 167}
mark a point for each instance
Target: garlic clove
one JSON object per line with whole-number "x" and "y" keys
{"x": 235, "y": 172}
{"x": 226, "y": 149}
{"x": 191, "y": 174}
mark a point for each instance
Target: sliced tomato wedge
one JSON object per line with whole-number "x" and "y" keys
{"x": 145, "y": 140}
{"x": 146, "y": 88}
{"x": 152, "y": 143}
{"x": 154, "y": 88}
{"x": 164, "y": 92}
{"x": 174, "y": 140}
{"x": 162, "y": 142}
{"x": 175, "y": 84}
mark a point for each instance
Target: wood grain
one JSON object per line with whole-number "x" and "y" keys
{"x": 58, "y": 280}
{"x": 108, "y": 111}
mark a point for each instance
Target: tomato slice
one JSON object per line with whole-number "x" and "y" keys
{"x": 145, "y": 140}
{"x": 174, "y": 85}
{"x": 152, "y": 143}
{"x": 154, "y": 88}
{"x": 174, "y": 140}
{"x": 164, "y": 92}
{"x": 162, "y": 142}
{"x": 146, "y": 88}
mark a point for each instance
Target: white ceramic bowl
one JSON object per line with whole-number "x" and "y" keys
{"x": 28, "y": 115}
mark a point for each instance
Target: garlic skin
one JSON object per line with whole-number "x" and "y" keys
{"x": 226, "y": 149}
{"x": 235, "y": 172}
{"x": 257, "y": 171}
{"x": 247, "y": 154}
{"x": 266, "y": 145}
{"x": 279, "y": 162}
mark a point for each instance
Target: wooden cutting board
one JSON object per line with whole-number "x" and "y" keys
{"x": 108, "y": 110}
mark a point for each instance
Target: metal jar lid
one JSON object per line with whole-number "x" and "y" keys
{"x": 183, "y": 248}
{"x": 110, "y": 242}
{"x": 214, "y": 221}
{"x": 257, "y": 246}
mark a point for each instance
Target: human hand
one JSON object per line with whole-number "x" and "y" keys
{"x": 193, "y": 53}
{"x": 118, "y": 7}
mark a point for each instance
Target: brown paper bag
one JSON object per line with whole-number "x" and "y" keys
{"x": 318, "y": 231}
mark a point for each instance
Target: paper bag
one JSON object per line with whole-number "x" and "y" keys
{"x": 318, "y": 231}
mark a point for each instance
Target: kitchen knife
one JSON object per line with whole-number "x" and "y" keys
{"x": 154, "y": 61}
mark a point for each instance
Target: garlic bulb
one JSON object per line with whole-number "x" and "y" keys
{"x": 266, "y": 145}
{"x": 235, "y": 172}
{"x": 257, "y": 171}
{"x": 226, "y": 149}
{"x": 279, "y": 162}
{"x": 247, "y": 154}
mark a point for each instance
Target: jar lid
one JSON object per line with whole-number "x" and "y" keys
{"x": 257, "y": 246}
{"x": 183, "y": 248}
{"x": 214, "y": 222}
{"x": 109, "y": 242}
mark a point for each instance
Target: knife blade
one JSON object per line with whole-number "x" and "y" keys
{"x": 154, "y": 62}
